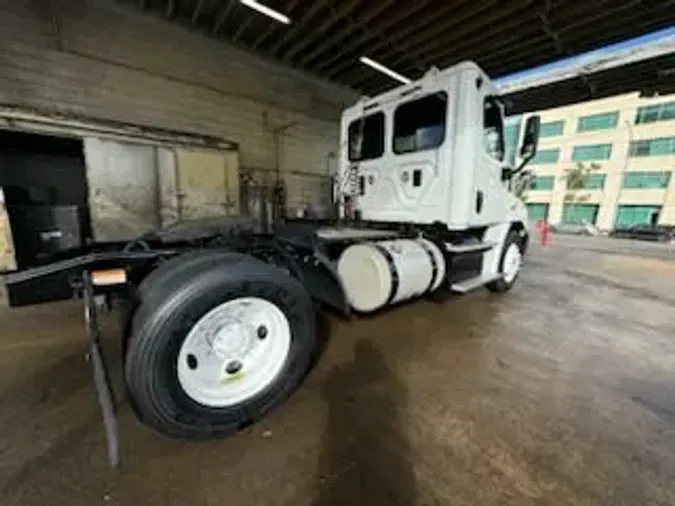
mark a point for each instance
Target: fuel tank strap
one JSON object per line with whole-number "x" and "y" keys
{"x": 434, "y": 264}
{"x": 392, "y": 270}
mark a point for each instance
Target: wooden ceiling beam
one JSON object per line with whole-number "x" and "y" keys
{"x": 199, "y": 5}
{"x": 386, "y": 26}
{"x": 273, "y": 26}
{"x": 336, "y": 15}
{"x": 222, "y": 16}
{"x": 296, "y": 27}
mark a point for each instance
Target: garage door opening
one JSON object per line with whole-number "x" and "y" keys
{"x": 45, "y": 194}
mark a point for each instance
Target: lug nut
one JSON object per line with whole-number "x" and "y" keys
{"x": 192, "y": 361}
{"x": 262, "y": 332}
{"x": 233, "y": 367}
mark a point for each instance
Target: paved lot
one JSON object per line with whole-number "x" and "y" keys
{"x": 560, "y": 393}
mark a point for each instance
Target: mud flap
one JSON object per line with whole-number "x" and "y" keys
{"x": 101, "y": 376}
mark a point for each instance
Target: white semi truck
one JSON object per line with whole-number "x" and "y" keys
{"x": 220, "y": 327}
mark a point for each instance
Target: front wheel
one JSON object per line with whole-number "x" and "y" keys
{"x": 509, "y": 264}
{"x": 217, "y": 344}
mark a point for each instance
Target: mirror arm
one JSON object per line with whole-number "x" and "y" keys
{"x": 522, "y": 165}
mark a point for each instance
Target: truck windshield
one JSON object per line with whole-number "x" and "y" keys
{"x": 366, "y": 137}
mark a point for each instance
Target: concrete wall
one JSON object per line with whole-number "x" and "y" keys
{"x": 612, "y": 195}
{"x": 110, "y": 61}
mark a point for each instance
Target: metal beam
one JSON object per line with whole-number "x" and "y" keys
{"x": 273, "y": 25}
{"x": 497, "y": 39}
{"x": 470, "y": 45}
{"x": 328, "y": 44}
{"x": 487, "y": 15}
{"x": 321, "y": 30}
{"x": 197, "y": 11}
{"x": 532, "y": 47}
{"x": 468, "y": 41}
{"x": 309, "y": 14}
{"x": 346, "y": 31}
{"x": 225, "y": 11}
{"x": 242, "y": 28}
{"x": 385, "y": 26}
{"x": 537, "y": 53}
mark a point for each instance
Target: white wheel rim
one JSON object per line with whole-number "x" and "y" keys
{"x": 234, "y": 352}
{"x": 512, "y": 262}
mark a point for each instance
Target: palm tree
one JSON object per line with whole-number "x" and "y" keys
{"x": 577, "y": 179}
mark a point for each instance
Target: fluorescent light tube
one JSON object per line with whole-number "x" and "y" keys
{"x": 381, "y": 68}
{"x": 263, "y": 9}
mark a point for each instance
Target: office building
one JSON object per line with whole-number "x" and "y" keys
{"x": 628, "y": 140}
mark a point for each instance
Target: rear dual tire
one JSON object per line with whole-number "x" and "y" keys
{"x": 217, "y": 340}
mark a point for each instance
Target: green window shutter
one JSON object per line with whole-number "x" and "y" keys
{"x": 537, "y": 211}
{"x": 592, "y": 152}
{"x": 542, "y": 183}
{"x": 646, "y": 180}
{"x": 545, "y": 156}
{"x": 580, "y": 213}
{"x": 629, "y": 216}
{"x": 603, "y": 121}
{"x": 551, "y": 128}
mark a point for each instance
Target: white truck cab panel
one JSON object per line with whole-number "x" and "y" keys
{"x": 429, "y": 151}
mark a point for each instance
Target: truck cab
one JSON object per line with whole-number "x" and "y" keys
{"x": 432, "y": 151}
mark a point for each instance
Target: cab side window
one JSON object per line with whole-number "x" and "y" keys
{"x": 366, "y": 138}
{"x": 420, "y": 124}
{"x": 493, "y": 128}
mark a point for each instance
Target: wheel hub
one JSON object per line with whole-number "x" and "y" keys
{"x": 232, "y": 340}
{"x": 512, "y": 262}
{"x": 234, "y": 351}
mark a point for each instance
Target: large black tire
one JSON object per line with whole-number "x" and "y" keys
{"x": 173, "y": 299}
{"x": 161, "y": 280}
{"x": 503, "y": 285}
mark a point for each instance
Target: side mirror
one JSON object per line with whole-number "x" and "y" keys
{"x": 530, "y": 138}
{"x": 530, "y": 141}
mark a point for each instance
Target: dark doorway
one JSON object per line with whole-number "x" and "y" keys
{"x": 44, "y": 184}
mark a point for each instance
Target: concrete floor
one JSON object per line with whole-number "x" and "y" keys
{"x": 559, "y": 393}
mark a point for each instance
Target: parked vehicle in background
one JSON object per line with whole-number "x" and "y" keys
{"x": 657, "y": 233}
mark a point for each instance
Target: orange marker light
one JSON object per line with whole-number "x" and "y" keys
{"x": 108, "y": 277}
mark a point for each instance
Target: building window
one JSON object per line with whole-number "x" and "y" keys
{"x": 653, "y": 113}
{"x": 603, "y": 121}
{"x": 551, "y": 128}
{"x": 420, "y": 124}
{"x": 580, "y": 214}
{"x": 630, "y": 216}
{"x": 366, "y": 137}
{"x": 646, "y": 180}
{"x": 593, "y": 182}
{"x": 542, "y": 183}
{"x": 592, "y": 152}
{"x": 653, "y": 147}
{"x": 544, "y": 156}
{"x": 537, "y": 211}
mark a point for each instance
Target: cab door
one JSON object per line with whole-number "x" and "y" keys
{"x": 395, "y": 155}
{"x": 491, "y": 198}
{"x": 418, "y": 132}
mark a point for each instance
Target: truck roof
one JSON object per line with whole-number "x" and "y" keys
{"x": 432, "y": 74}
